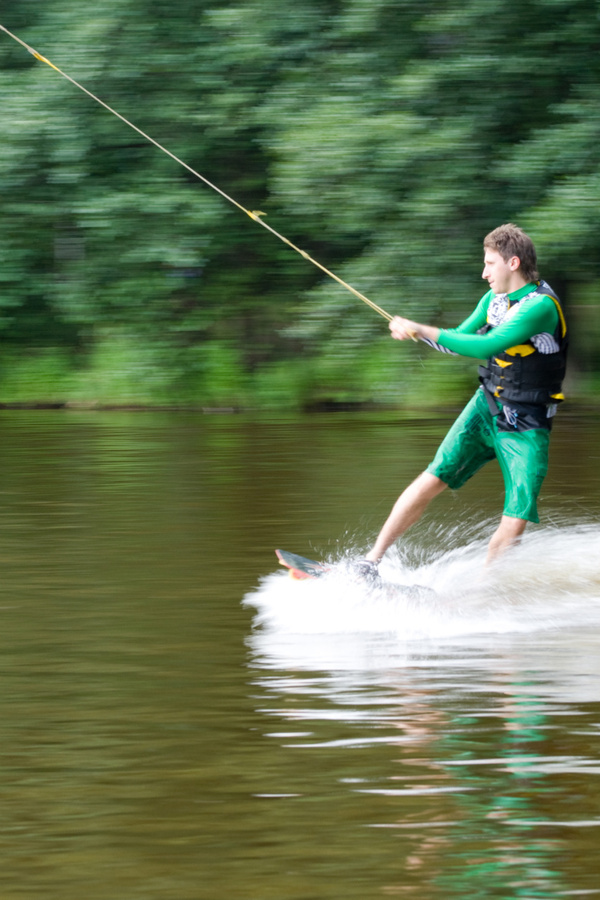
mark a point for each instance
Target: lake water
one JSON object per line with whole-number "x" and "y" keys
{"x": 179, "y": 720}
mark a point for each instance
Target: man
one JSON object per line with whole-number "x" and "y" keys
{"x": 519, "y": 326}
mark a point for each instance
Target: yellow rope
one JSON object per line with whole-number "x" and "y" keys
{"x": 256, "y": 216}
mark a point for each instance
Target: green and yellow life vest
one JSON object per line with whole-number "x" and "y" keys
{"x": 532, "y": 372}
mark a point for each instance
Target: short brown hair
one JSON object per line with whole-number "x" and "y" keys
{"x": 510, "y": 240}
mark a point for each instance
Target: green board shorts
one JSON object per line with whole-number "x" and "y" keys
{"x": 474, "y": 440}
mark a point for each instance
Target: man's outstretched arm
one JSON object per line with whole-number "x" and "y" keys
{"x": 531, "y": 319}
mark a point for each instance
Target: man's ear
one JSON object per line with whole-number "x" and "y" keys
{"x": 514, "y": 263}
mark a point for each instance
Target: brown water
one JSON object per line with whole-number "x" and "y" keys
{"x": 180, "y": 720}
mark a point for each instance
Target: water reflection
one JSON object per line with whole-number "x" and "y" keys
{"x": 476, "y": 759}
{"x": 160, "y": 739}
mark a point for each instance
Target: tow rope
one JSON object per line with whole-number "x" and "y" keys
{"x": 255, "y": 215}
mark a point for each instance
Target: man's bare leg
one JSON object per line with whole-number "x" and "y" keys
{"x": 407, "y": 510}
{"x": 506, "y": 535}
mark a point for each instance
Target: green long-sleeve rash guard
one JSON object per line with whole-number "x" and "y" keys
{"x": 535, "y": 316}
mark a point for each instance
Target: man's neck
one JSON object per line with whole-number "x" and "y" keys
{"x": 516, "y": 283}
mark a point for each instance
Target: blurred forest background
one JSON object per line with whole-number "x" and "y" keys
{"x": 384, "y": 137}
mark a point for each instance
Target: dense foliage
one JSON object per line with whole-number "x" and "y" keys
{"x": 385, "y": 137}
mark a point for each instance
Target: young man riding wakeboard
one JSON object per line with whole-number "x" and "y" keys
{"x": 520, "y": 328}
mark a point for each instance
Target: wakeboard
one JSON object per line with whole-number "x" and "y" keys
{"x": 301, "y": 568}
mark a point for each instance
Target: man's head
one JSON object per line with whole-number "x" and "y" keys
{"x": 511, "y": 242}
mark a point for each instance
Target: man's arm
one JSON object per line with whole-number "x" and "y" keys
{"x": 404, "y": 328}
{"x": 531, "y": 318}
{"x": 534, "y": 317}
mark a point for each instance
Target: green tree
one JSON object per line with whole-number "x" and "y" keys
{"x": 384, "y": 138}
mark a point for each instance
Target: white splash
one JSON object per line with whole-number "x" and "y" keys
{"x": 551, "y": 580}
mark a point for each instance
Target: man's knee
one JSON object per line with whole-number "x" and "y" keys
{"x": 507, "y": 534}
{"x": 429, "y": 485}
{"x": 511, "y": 527}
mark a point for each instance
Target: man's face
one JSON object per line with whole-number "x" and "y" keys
{"x": 499, "y": 273}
